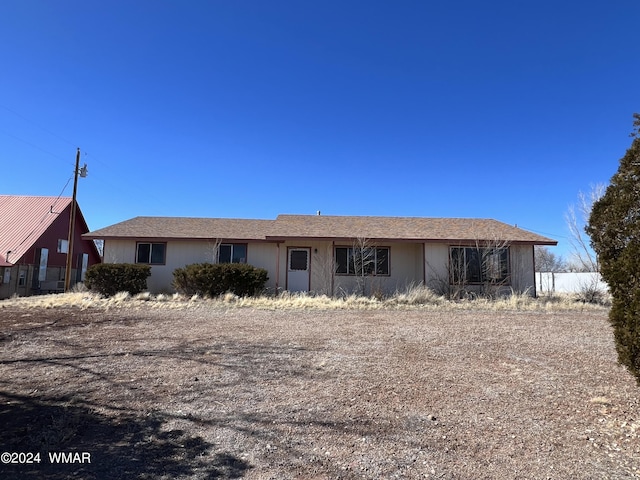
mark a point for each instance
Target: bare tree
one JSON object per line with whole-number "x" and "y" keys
{"x": 482, "y": 268}
{"x": 583, "y": 258}
{"x": 547, "y": 261}
{"x": 214, "y": 248}
{"x": 494, "y": 258}
{"x": 547, "y": 264}
{"x": 363, "y": 258}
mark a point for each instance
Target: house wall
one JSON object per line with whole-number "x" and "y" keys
{"x": 59, "y": 230}
{"x": 184, "y": 252}
{"x": 436, "y": 266}
{"x": 320, "y": 264}
{"x": 13, "y": 287}
{"x": 410, "y": 263}
{"x": 405, "y": 269}
{"x": 521, "y": 264}
{"x": 405, "y": 263}
{"x": 264, "y": 255}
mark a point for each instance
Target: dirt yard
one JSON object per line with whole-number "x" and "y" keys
{"x": 211, "y": 392}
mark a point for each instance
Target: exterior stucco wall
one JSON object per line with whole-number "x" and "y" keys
{"x": 263, "y": 255}
{"x": 119, "y": 251}
{"x": 410, "y": 263}
{"x": 184, "y": 252}
{"x": 521, "y": 265}
{"x": 320, "y": 264}
{"x": 436, "y": 258}
{"x": 405, "y": 269}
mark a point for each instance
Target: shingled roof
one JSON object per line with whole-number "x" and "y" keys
{"x": 402, "y": 228}
{"x": 165, "y": 228}
{"x": 321, "y": 227}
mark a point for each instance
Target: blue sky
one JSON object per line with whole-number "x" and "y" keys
{"x": 248, "y": 109}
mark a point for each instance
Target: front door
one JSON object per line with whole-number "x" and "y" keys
{"x": 298, "y": 269}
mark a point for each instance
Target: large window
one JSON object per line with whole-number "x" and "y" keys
{"x": 151, "y": 253}
{"x": 362, "y": 261}
{"x": 232, "y": 253}
{"x": 479, "y": 265}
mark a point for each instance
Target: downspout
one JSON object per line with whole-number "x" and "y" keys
{"x": 533, "y": 260}
{"x": 424, "y": 264}
{"x": 277, "y": 267}
{"x": 333, "y": 267}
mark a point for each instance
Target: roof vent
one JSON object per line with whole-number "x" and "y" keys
{"x": 318, "y": 212}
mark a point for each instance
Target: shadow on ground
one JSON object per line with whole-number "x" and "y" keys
{"x": 120, "y": 446}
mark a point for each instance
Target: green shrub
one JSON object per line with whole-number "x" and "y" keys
{"x": 614, "y": 228}
{"x": 212, "y": 280}
{"x": 111, "y": 278}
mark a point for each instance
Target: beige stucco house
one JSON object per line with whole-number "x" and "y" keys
{"x": 335, "y": 254}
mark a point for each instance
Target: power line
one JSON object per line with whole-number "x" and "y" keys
{"x": 47, "y": 213}
{"x": 36, "y": 124}
{"x": 542, "y": 233}
{"x": 32, "y": 145}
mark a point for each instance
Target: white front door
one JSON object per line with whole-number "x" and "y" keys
{"x": 298, "y": 269}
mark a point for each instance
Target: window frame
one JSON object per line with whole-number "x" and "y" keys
{"x": 63, "y": 246}
{"x": 478, "y": 261}
{"x": 150, "y": 256}
{"x": 379, "y": 271}
{"x": 232, "y": 254}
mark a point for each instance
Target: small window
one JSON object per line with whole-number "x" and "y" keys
{"x": 299, "y": 260}
{"x": 232, "y": 253}
{"x": 22, "y": 278}
{"x": 362, "y": 261}
{"x": 63, "y": 245}
{"x": 151, "y": 253}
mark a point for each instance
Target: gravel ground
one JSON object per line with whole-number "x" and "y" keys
{"x": 204, "y": 393}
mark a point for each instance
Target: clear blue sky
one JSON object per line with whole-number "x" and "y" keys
{"x": 501, "y": 109}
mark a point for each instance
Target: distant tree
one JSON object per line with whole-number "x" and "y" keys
{"x": 614, "y": 228}
{"x": 582, "y": 257}
{"x": 547, "y": 261}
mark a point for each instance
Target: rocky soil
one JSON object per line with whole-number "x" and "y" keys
{"x": 205, "y": 393}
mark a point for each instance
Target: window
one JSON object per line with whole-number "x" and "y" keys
{"x": 43, "y": 254}
{"x": 84, "y": 262}
{"x": 232, "y": 253}
{"x": 358, "y": 261}
{"x": 298, "y": 259}
{"x": 479, "y": 265}
{"x": 151, "y": 253}
{"x": 63, "y": 245}
{"x": 22, "y": 278}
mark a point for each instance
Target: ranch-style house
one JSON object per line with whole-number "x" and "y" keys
{"x": 334, "y": 254}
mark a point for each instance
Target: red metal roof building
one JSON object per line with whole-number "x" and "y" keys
{"x": 34, "y": 234}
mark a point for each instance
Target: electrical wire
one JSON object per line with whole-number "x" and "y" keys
{"x": 47, "y": 213}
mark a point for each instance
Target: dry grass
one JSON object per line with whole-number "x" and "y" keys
{"x": 414, "y": 297}
{"x": 280, "y": 389}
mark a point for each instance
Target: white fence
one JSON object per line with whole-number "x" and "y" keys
{"x": 569, "y": 282}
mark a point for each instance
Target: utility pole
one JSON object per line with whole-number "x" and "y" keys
{"x": 72, "y": 220}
